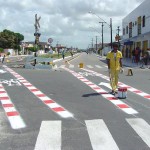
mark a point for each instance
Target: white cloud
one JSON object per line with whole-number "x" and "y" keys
{"x": 66, "y": 21}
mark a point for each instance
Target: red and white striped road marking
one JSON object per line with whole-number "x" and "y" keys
{"x": 120, "y": 84}
{"x": 13, "y": 115}
{"x": 45, "y": 99}
{"x": 126, "y": 108}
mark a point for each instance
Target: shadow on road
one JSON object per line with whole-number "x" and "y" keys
{"x": 90, "y": 94}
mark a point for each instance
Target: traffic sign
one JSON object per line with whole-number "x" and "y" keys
{"x": 50, "y": 40}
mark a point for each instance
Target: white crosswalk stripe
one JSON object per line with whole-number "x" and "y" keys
{"x": 89, "y": 66}
{"x": 100, "y": 136}
{"x": 50, "y": 137}
{"x": 142, "y": 128}
{"x": 71, "y": 66}
{"x": 98, "y": 66}
{"x": 105, "y": 66}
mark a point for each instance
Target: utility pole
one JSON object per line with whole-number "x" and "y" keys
{"x": 96, "y": 44}
{"x": 118, "y": 37}
{"x": 111, "y": 30}
{"x": 102, "y": 35}
{"x": 92, "y": 44}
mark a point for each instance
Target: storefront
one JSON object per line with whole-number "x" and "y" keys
{"x": 136, "y": 31}
{"x": 127, "y": 49}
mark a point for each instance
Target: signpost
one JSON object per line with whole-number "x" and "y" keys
{"x": 50, "y": 40}
{"x": 36, "y": 34}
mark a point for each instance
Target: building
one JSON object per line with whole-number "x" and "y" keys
{"x": 136, "y": 29}
{"x": 25, "y": 45}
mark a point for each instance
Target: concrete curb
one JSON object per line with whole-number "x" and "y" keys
{"x": 76, "y": 55}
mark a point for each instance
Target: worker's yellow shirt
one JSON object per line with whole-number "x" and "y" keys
{"x": 114, "y": 60}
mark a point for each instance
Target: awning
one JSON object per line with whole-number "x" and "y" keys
{"x": 128, "y": 43}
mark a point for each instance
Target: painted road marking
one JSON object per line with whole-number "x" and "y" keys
{"x": 142, "y": 128}
{"x": 105, "y": 84}
{"x": 98, "y": 66}
{"x": 89, "y": 66}
{"x": 11, "y": 82}
{"x": 2, "y": 71}
{"x": 71, "y": 66}
{"x": 45, "y": 99}
{"x": 124, "y": 107}
{"x": 101, "y": 138}
{"x": 49, "y": 137}
{"x": 120, "y": 84}
{"x": 86, "y": 74}
{"x": 13, "y": 115}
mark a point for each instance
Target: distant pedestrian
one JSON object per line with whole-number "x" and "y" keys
{"x": 127, "y": 51}
{"x": 114, "y": 62}
{"x": 63, "y": 54}
{"x": 136, "y": 55}
{"x": 3, "y": 59}
{"x": 144, "y": 60}
{"x": 139, "y": 53}
{"x": 71, "y": 53}
{"x": 133, "y": 56}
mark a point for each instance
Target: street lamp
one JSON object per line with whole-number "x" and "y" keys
{"x": 110, "y": 25}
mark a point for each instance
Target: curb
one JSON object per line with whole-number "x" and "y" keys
{"x": 76, "y": 55}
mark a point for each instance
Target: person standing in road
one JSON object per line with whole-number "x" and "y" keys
{"x": 3, "y": 58}
{"x": 114, "y": 62}
{"x": 71, "y": 52}
{"x": 63, "y": 54}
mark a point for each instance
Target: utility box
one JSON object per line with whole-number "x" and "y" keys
{"x": 81, "y": 65}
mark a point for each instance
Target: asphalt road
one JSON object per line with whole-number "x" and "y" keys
{"x": 67, "y": 109}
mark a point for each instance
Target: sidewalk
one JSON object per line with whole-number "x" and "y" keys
{"x": 68, "y": 58}
{"x": 127, "y": 62}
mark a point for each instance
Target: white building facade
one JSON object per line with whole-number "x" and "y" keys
{"x": 136, "y": 29}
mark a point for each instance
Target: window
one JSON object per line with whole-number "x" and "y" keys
{"x": 139, "y": 25}
{"x": 133, "y": 24}
{"x": 130, "y": 29}
{"x": 126, "y": 29}
{"x": 143, "y": 21}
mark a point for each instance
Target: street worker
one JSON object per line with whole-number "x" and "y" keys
{"x": 114, "y": 62}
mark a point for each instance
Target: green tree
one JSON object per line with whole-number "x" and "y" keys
{"x": 9, "y": 39}
{"x": 1, "y": 50}
{"x": 33, "y": 49}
